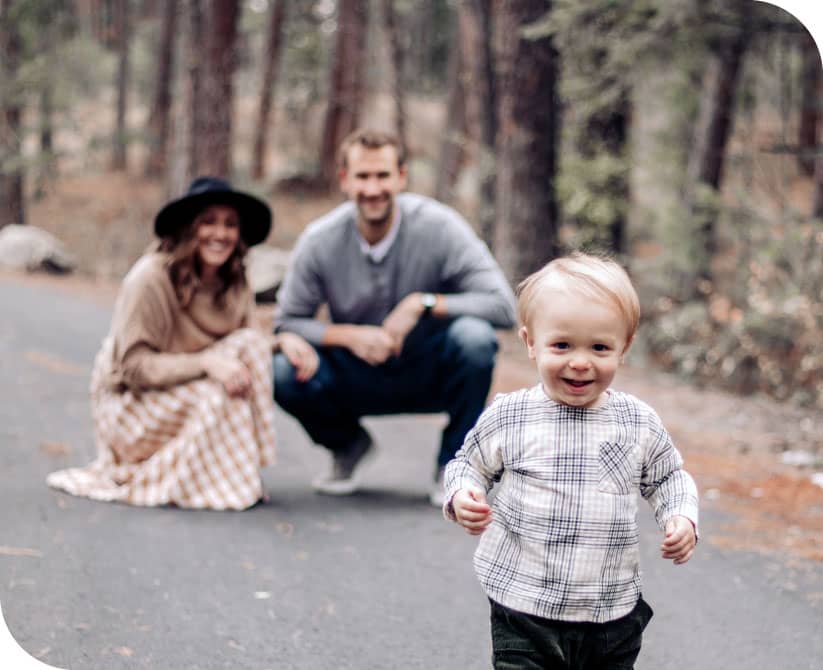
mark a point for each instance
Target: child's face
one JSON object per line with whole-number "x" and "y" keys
{"x": 577, "y": 343}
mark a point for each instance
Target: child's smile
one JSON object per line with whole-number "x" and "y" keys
{"x": 577, "y": 343}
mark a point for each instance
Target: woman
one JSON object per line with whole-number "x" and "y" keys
{"x": 181, "y": 389}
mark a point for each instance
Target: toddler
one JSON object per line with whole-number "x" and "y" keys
{"x": 558, "y": 557}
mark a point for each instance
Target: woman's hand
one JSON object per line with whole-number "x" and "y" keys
{"x": 230, "y": 372}
{"x": 300, "y": 354}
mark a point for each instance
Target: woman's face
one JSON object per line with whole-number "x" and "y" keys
{"x": 217, "y": 229}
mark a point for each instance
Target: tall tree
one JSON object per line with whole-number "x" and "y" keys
{"x": 271, "y": 62}
{"x": 160, "y": 117}
{"x": 123, "y": 40}
{"x": 475, "y": 39}
{"x": 398, "y": 59}
{"x": 526, "y": 216}
{"x": 452, "y": 145}
{"x": 347, "y": 83}
{"x": 714, "y": 126}
{"x": 811, "y": 94}
{"x": 213, "y": 129}
{"x": 12, "y": 202}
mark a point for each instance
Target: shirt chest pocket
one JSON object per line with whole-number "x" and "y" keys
{"x": 618, "y": 471}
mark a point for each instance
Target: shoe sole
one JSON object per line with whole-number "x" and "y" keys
{"x": 345, "y": 487}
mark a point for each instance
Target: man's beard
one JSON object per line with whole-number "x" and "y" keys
{"x": 376, "y": 221}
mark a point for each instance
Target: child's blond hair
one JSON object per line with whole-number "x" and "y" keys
{"x": 594, "y": 277}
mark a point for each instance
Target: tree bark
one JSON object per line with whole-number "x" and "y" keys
{"x": 270, "y": 66}
{"x": 475, "y": 39}
{"x": 811, "y": 91}
{"x": 526, "y": 218}
{"x": 398, "y": 60}
{"x": 346, "y": 89}
{"x": 712, "y": 133}
{"x": 119, "y": 142}
{"x": 12, "y": 200}
{"x": 213, "y": 122}
{"x": 453, "y": 140}
{"x": 159, "y": 120}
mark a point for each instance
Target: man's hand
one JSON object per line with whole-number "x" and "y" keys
{"x": 679, "y": 541}
{"x": 471, "y": 510}
{"x": 299, "y": 353}
{"x": 373, "y": 344}
{"x": 403, "y": 318}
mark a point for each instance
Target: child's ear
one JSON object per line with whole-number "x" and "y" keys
{"x": 527, "y": 340}
{"x": 626, "y": 350}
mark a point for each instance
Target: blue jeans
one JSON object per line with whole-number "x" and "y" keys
{"x": 445, "y": 366}
{"x": 523, "y": 641}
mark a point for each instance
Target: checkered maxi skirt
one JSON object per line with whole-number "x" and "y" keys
{"x": 190, "y": 445}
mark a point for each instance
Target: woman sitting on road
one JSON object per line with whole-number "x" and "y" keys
{"x": 181, "y": 390}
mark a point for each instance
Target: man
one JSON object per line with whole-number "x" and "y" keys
{"x": 413, "y": 297}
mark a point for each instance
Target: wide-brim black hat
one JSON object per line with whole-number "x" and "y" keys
{"x": 254, "y": 214}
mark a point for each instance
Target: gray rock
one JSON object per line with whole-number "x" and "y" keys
{"x": 265, "y": 268}
{"x": 31, "y": 248}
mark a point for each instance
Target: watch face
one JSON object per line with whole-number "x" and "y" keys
{"x": 429, "y": 300}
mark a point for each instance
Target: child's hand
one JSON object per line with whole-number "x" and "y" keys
{"x": 471, "y": 510}
{"x": 679, "y": 541}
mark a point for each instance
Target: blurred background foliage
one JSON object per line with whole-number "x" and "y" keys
{"x": 681, "y": 136}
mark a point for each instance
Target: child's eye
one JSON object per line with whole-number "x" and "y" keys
{"x": 600, "y": 347}
{"x": 560, "y": 345}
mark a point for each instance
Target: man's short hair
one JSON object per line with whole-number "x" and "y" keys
{"x": 595, "y": 277}
{"x": 369, "y": 139}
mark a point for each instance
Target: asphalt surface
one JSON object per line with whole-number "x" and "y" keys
{"x": 374, "y": 581}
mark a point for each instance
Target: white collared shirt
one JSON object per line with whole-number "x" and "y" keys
{"x": 377, "y": 252}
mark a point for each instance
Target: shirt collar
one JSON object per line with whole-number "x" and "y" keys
{"x": 377, "y": 252}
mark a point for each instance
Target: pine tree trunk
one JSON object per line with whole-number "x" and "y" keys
{"x": 475, "y": 38}
{"x": 454, "y": 135}
{"x": 213, "y": 122}
{"x": 712, "y": 133}
{"x": 270, "y": 66}
{"x": 119, "y": 142}
{"x": 811, "y": 91}
{"x": 159, "y": 120}
{"x": 346, "y": 87}
{"x": 528, "y": 130}
{"x": 12, "y": 201}
{"x": 398, "y": 59}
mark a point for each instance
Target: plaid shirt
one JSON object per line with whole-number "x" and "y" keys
{"x": 563, "y": 543}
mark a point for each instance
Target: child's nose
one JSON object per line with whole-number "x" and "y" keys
{"x": 579, "y": 362}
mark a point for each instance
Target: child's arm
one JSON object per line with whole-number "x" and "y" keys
{"x": 671, "y": 493}
{"x": 471, "y": 510}
{"x": 679, "y": 540}
{"x": 473, "y": 471}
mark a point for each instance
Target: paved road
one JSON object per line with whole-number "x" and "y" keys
{"x": 375, "y": 581}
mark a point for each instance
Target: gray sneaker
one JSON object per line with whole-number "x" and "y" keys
{"x": 341, "y": 481}
{"x": 437, "y": 494}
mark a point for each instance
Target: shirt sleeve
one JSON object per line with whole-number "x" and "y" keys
{"x": 666, "y": 486}
{"x": 480, "y": 288}
{"x": 479, "y": 462}
{"x": 301, "y": 295}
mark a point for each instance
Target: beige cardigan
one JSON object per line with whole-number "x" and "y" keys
{"x": 156, "y": 343}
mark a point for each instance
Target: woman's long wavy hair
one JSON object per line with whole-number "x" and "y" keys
{"x": 184, "y": 264}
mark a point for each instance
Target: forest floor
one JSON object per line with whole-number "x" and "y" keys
{"x": 737, "y": 448}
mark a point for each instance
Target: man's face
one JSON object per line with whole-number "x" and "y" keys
{"x": 371, "y": 179}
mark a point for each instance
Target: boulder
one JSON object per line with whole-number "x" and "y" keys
{"x": 265, "y": 268}
{"x": 31, "y": 248}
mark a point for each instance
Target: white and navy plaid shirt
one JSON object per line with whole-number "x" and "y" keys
{"x": 563, "y": 543}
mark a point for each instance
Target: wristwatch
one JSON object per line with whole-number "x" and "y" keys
{"x": 428, "y": 300}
